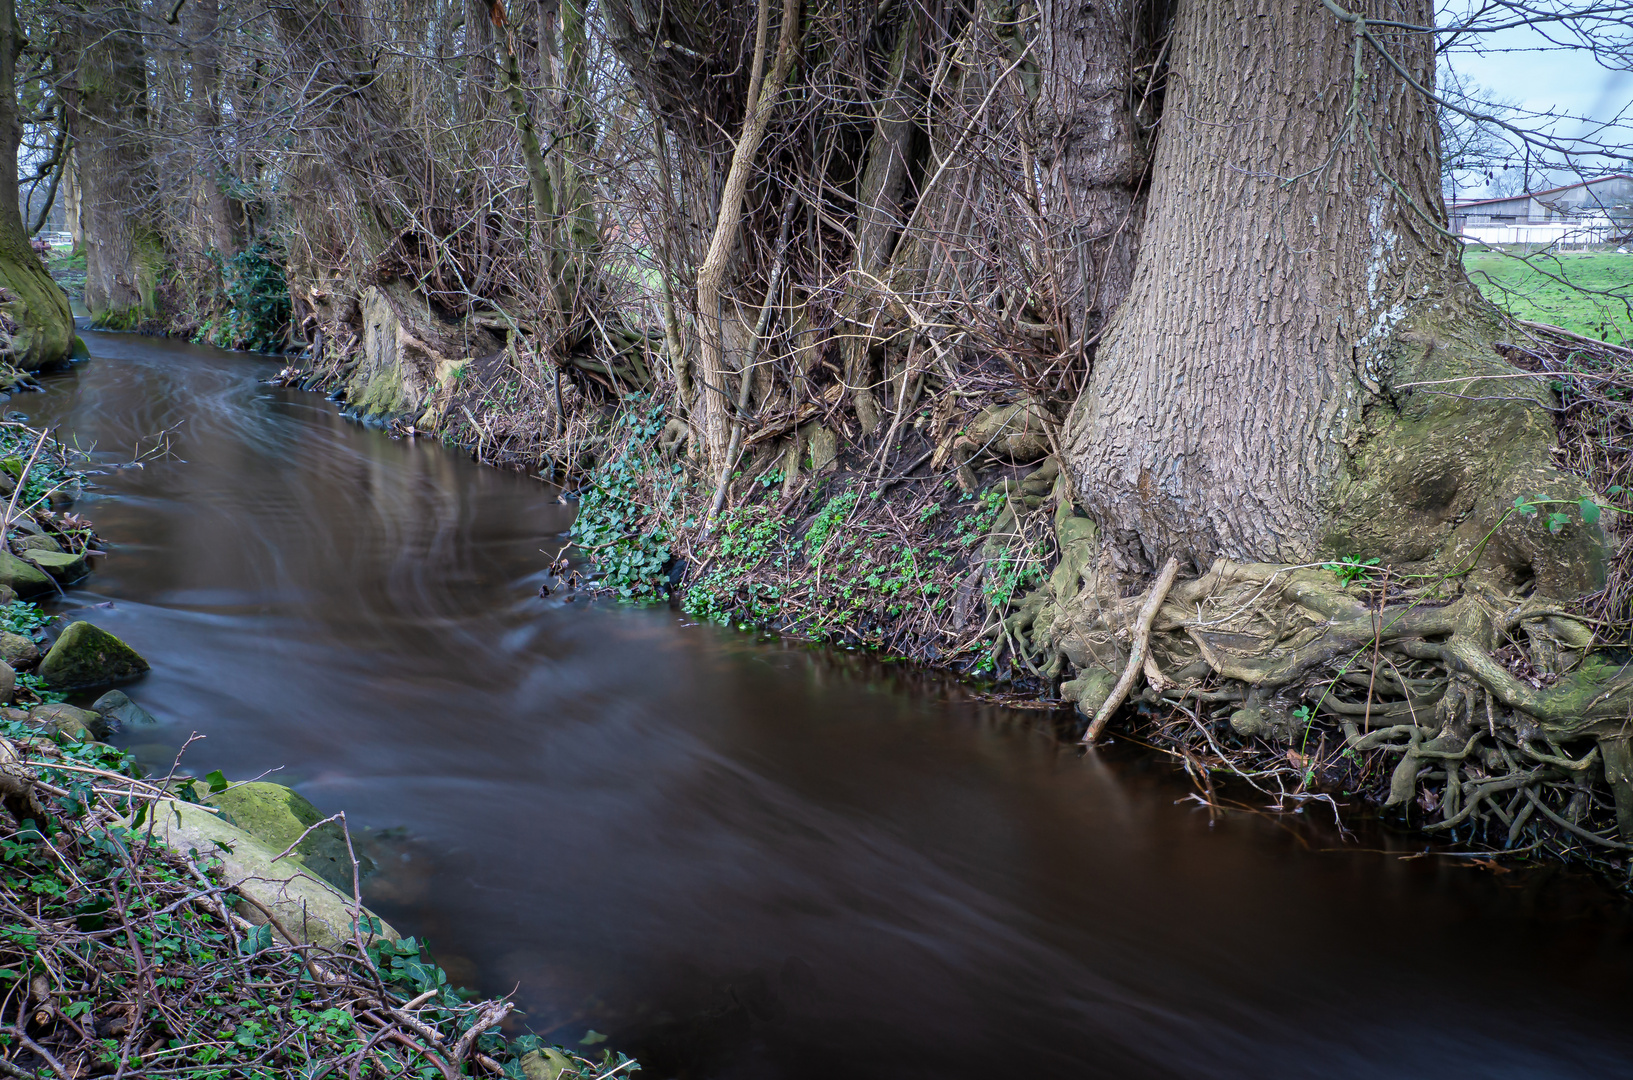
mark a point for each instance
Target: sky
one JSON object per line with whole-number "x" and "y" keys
{"x": 1539, "y": 76}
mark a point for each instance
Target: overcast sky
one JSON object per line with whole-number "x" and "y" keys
{"x": 1523, "y": 67}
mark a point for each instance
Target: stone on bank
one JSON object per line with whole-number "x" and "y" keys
{"x": 86, "y": 656}
{"x": 64, "y": 566}
{"x": 308, "y": 909}
{"x": 25, "y": 579}
{"x": 18, "y": 650}
{"x": 277, "y": 817}
{"x": 82, "y": 724}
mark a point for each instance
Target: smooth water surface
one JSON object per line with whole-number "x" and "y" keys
{"x": 745, "y": 858}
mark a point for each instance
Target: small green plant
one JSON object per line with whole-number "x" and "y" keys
{"x": 259, "y": 308}
{"x": 31, "y": 685}
{"x": 22, "y": 617}
{"x": 1587, "y": 507}
{"x": 611, "y": 526}
{"x": 1352, "y": 569}
{"x": 832, "y": 513}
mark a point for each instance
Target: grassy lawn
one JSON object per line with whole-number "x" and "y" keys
{"x": 1542, "y": 290}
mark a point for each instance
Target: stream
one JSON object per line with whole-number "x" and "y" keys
{"x": 737, "y": 856}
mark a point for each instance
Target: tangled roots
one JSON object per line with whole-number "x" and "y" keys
{"x": 1477, "y": 714}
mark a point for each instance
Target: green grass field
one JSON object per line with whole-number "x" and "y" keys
{"x": 1542, "y": 290}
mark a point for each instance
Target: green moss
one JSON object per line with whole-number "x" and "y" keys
{"x": 383, "y": 394}
{"x": 118, "y": 318}
{"x": 37, "y": 306}
{"x": 277, "y": 817}
{"x": 1431, "y": 485}
{"x": 86, "y": 656}
{"x": 23, "y": 578}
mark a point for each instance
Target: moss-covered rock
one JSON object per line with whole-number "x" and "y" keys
{"x": 24, "y": 579}
{"x": 86, "y": 656}
{"x": 41, "y": 541}
{"x": 310, "y": 910}
{"x": 61, "y": 565}
{"x": 277, "y": 816}
{"x": 82, "y": 724}
{"x": 18, "y": 650}
{"x": 8, "y": 683}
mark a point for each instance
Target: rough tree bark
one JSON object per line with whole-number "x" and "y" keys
{"x": 1092, "y": 155}
{"x": 39, "y": 328}
{"x": 107, "y": 115}
{"x": 217, "y": 208}
{"x": 1260, "y": 395}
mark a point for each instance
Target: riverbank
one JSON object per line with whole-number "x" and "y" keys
{"x": 949, "y": 538}
{"x": 731, "y": 853}
{"x": 187, "y": 926}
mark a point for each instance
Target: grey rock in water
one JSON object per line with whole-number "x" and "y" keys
{"x": 122, "y": 712}
{"x": 18, "y": 650}
{"x": 82, "y": 724}
{"x": 86, "y": 656}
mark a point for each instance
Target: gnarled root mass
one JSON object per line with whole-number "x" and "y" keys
{"x": 1481, "y": 716}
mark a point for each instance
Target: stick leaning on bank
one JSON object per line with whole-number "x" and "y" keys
{"x": 1136, "y": 652}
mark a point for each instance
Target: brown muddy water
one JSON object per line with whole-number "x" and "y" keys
{"x": 743, "y": 858}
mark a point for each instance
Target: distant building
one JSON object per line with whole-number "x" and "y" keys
{"x": 1590, "y": 212}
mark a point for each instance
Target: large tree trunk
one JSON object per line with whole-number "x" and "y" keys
{"x": 1255, "y": 398}
{"x": 107, "y": 115}
{"x": 36, "y": 327}
{"x": 220, "y": 214}
{"x": 1092, "y": 155}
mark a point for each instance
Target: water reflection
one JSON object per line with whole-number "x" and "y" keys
{"x": 746, "y": 858}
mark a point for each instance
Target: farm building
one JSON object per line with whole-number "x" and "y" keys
{"x": 1592, "y": 211}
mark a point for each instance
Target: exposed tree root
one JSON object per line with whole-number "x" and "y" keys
{"x": 1474, "y": 713}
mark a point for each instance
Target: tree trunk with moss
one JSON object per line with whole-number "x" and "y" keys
{"x": 36, "y": 326}
{"x": 1274, "y": 388}
{"x": 218, "y": 210}
{"x": 107, "y": 114}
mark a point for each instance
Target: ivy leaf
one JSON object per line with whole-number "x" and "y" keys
{"x": 217, "y": 782}
{"x": 257, "y": 940}
{"x": 1590, "y": 511}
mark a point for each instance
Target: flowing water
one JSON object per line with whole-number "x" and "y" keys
{"x": 746, "y": 858}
